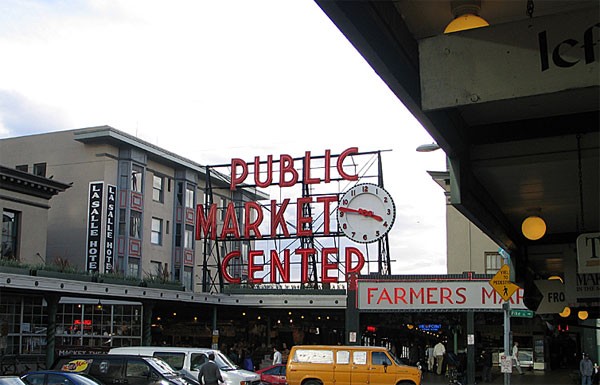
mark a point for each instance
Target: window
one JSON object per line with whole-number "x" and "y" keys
{"x": 189, "y": 237}
{"x": 189, "y": 197}
{"x": 156, "y": 237}
{"x": 493, "y": 262}
{"x": 22, "y": 167}
{"x": 136, "y": 178}
{"x": 122, "y": 222}
{"x": 135, "y": 225}
{"x": 9, "y": 246}
{"x": 137, "y": 368}
{"x": 176, "y": 360}
{"x": 156, "y": 270}
{"x": 180, "y": 193}
{"x": 178, "y": 235}
{"x": 223, "y": 207}
{"x": 187, "y": 278}
{"x": 133, "y": 268}
{"x": 39, "y": 169}
{"x": 157, "y": 188}
{"x": 380, "y": 358}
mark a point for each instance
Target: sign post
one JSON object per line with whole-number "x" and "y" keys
{"x": 503, "y": 286}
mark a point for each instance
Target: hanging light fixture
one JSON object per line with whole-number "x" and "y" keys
{"x": 566, "y": 312}
{"x": 533, "y": 227}
{"x": 582, "y": 315}
{"x": 466, "y": 16}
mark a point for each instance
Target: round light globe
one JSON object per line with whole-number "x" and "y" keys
{"x": 533, "y": 228}
{"x": 583, "y": 315}
{"x": 465, "y": 22}
{"x": 566, "y": 312}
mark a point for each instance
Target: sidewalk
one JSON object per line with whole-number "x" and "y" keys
{"x": 555, "y": 377}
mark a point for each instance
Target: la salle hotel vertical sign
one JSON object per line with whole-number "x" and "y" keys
{"x": 94, "y": 226}
{"x": 109, "y": 233}
{"x": 100, "y": 212}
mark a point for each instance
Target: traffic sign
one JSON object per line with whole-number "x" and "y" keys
{"x": 502, "y": 284}
{"x": 522, "y": 313}
{"x": 554, "y": 298}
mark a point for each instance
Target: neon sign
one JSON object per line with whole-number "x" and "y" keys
{"x": 274, "y": 218}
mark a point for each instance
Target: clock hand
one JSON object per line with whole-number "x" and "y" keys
{"x": 366, "y": 213}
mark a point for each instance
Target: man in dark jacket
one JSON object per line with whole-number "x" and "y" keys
{"x": 209, "y": 373}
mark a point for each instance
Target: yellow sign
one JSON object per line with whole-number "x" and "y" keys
{"x": 502, "y": 284}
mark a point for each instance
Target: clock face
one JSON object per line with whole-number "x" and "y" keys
{"x": 366, "y": 213}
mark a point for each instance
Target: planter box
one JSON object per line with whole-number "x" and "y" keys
{"x": 63, "y": 275}
{"x": 165, "y": 286}
{"x": 118, "y": 281}
{"x": 15, "y": 270}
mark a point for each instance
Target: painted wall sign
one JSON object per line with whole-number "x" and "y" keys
{"x": 432, "y": 295}
{"x": 588, "y": 285}
{"x": 588, "y": 253}
{"x": 530, "y": 57}
{"x": 94, "y": 226}
{"x": 109, "y": 233}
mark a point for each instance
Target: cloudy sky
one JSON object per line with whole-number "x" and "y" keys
{"x": 214, "y": 80}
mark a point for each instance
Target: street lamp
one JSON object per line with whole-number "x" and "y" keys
{"x": 428, "y": 147}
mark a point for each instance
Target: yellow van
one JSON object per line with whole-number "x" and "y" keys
{"x": 347, "y": 365}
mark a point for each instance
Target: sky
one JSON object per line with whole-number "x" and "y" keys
{"x": 216, "y": 80}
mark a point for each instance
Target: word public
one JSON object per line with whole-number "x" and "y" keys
{"x": 245, "y": 223}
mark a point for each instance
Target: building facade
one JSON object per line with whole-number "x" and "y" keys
{"x": 130, "y": 209}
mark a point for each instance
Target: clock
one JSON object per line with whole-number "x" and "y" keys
{"x": 366, "y": 213}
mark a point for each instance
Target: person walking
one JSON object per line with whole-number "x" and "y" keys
{"x": 430, "y": 358}
{"x": 209, "y": 373}
{"x": 486, "y": 361}
{"x": 438, "y": 351}
{"x": 277, "y": 359}
{"x": 586, "y": 369}
{"x": 515, "y": 357}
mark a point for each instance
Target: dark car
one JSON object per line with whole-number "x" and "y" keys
{"x": 55, "y": 377}
{"x": 119, "y": 369}
{"x": 273, "y": 375}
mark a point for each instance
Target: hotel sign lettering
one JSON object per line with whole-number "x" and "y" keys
{"x": 94, "y": 226}
{"x": 109, "y": 235}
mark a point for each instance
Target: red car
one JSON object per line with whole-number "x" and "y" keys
{"x": 273, "y": 375}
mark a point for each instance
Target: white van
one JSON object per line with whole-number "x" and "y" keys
{"x": 189, "y": 360}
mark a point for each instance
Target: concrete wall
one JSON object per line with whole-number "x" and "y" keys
{"x": 33, "y": 222}
{"x": 466, "y": 244}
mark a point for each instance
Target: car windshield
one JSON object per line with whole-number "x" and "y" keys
{"x": 162, "y": 366}
{"x": 224, "y": 362}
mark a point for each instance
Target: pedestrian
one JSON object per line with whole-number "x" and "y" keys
{"x": 430, "y": 358}
{"x": 438, "y": 351}
{"x": 413, "y": 354}
{"x": 277, "y": 359}
{"x": 595, "y": 376}
{"x": 247, "y": 362}
{"x": 209, "y": 373}
{"x": 515, "y": 357}
{"x": 486, "y": 361}
{"x": 586, "y": 369}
